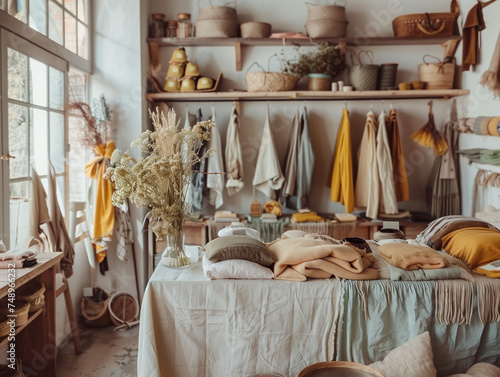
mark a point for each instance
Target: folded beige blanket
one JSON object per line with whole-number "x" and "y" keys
{"x": 412, "y": 257}
{"x": 299, "y": 258}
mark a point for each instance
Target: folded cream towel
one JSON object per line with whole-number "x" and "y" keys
{"x": 412, "y": 257}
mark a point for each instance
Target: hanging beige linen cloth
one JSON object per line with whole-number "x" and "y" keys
{"x": 215, "y": 167}
{"x": 268, "y": 176}
{"x": 305, "y": 164}
{"x": 291, "y": 161}
{"x": 367, "y": 191}
{"x": 388, "y": 203}
{"x": 39, "y": 212}
{"x": 234, "y": 159}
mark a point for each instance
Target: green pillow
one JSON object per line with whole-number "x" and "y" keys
{"x": 238, "y": 247}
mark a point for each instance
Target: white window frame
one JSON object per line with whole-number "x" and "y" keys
{"x": 10, "y": 40}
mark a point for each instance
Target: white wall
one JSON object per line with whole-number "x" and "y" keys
{"x": 366, "y": 18}
{"x": 118, "y": 52}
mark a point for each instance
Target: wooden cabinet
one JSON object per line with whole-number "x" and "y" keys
{"x": 35, "y": 341}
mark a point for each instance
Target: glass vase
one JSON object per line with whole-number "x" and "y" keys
{"x": 174, "y": 254}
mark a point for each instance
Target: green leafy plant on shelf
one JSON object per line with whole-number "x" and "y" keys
{"x": 326, "y": 59}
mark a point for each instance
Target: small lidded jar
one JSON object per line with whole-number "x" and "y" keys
{"x": 171, "y": 31}
{"x": 157, "y": 25}
{"x": 184, "y": 25}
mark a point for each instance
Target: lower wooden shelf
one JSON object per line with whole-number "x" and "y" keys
{"x": 31, "y": 318}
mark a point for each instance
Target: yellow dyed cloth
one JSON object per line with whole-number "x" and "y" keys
{"x": 306, "y": 217}
{"x": 104, "y": 213}
{"x": 476, "y": 246}
{"x": 342, "y": 187}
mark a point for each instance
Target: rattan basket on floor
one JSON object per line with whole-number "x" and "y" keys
{"x": 33, "y": 292}
{"x": 123, "y": 308}
{"x": 95, "y": 309}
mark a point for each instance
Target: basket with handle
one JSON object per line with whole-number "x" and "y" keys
{"x": 269, "y": 81}
{"x": 427, "y": 24}
{"x": 363, "y": 76}
{"x": 438, "y": 75}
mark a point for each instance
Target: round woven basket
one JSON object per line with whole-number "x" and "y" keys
{"x": 339, "y": 369}
{"x": 20, "y": 310}
{"x": 255, "y": 30}
{"x": 326, "y": 28}
{"x": 33, "y": 292}
{"x": 216, "y": 13}
{"x": 437, "y": 75}
{"x": 216, "y": 29}
{"x": 95, "y": 309}
{"x": 123, "y": 308}
{"x": 322, "y": 12}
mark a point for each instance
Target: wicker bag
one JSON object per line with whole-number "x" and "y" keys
{"x": 21, "y": 311}
{"x": 427, "y": 24}
{"x": 269, "y": 81}
{"x": 436, "y": 75}
{"x": 95, "y": 309}
{"x": 363, "y": 76}
{"x": 255, "y": 30}
{"x": 33, "y": 292}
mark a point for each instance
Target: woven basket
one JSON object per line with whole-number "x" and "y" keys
{"x": 269, "y": 81}
{"x": 123, "y": 308}
{"x": 255, "y": 30}
{"x": 363, "y": 76}
{"x": 33, "y": 292}
{"x": 20, "y": 309}
{"x": 436, "y": 75}
{"x": 339, "y": 369}
{"x": 326, "y": 28}
{"x": 95, "y": 309}
{"x": 7, "y": 371}
{"x": 216, "y": 29}
{"x": 224, "y": 12}
{"x": 321, "y": 12}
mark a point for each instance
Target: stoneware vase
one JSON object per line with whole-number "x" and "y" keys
{"x": 319, "y": 82}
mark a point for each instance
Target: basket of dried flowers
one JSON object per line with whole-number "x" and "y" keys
{"x": 266, "y": 81}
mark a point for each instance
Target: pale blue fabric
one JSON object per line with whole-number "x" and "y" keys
{"x": 305, "y": 164}
{"x": 397, "y": 311}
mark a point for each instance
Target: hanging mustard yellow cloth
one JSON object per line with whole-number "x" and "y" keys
{"x": 398, "y": 160}
{"x": 104, "y": 213}
{"x": 342, "y": 187}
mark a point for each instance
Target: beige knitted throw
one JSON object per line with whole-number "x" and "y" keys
{"x": 412, "y": 257}
{"x": 490, "y": 78}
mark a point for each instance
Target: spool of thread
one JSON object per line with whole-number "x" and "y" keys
{"x": 335, "y": 87}
{"x": 341, "y": 86}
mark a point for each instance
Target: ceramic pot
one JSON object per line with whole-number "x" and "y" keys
{"x": 319, "y": 82}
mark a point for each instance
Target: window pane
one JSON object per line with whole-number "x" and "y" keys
{"x": 39, "y": 140}
{"x": 69, "y": 32}
{"x": 17, "y": 70}
{"x": 38, "y": 15}
{"x": 61, "y": 187}
{"x": 57, "y": 156}
{"x": 18, "y": 141}
{"x": 77, "y": 186}
{"x": 83, "y": 5}
{"x": 82, "y": 41}
{"x": 19, "y": 213}
{"x": 56, "y": 82}
{"x": 77, "y": 86}
{"x": 17, "y": 9}
{"x": 70, "y": 5}
{"x": 38, "y": 82}
{"x": 55, "y": 23}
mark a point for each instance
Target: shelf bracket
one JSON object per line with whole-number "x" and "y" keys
{"x": 237, "y": 51}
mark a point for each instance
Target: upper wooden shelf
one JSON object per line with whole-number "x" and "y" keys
{"x": 376, "y": 41}
{"x": 306, "y": 95}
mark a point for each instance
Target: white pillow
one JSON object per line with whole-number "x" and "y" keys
{"x": 412, "y": 359}
{"x": 237, "y": 228}
{"x": 235, "y": 269}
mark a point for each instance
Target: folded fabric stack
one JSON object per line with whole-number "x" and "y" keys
{"x": 25, "y": 257}
{"x": 306, "y": 217}
{"x": 225, "y": 216}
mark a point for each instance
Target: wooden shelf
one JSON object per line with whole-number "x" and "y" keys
{"x": 306, "y": 95}
{"x": 31, "y": 318}
{"x": 376, "y": 41}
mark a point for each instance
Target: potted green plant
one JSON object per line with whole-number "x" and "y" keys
{"x": 320, "y": 65}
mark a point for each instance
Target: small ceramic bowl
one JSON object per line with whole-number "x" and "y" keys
{"x": 418, "y": 84}
{"x": 404, "y": 86}
{"x": 347, "y": 88}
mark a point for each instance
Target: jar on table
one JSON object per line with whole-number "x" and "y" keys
{"x": 184, "y": 28}
{"x": 157, "y": 25}
{"x": 171, "y": 31}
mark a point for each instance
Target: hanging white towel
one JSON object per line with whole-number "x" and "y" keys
{"x": 234, "y": 159}
{"x": 305, "y": 164}
{"x": 268, "y": 176}
{"x": 291, "y": 160}
{"x": 367, "y": 191}
{"x": 388, "y": 202}
{"x": 215, "y": 167}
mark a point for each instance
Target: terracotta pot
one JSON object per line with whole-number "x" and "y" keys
{"x": 319, "y": 82}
